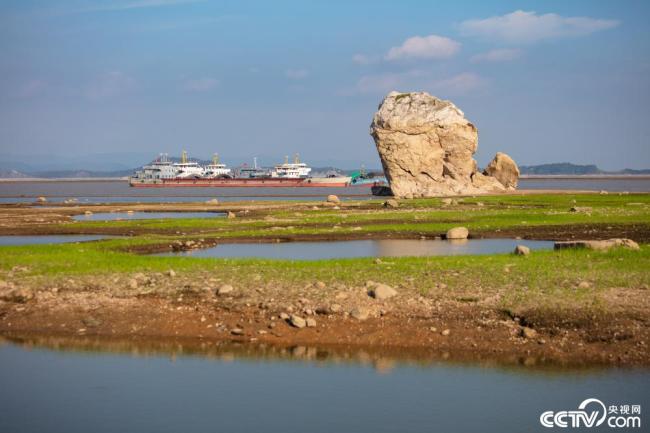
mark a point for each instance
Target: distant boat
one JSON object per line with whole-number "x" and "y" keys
{"x": 186, "y": 173}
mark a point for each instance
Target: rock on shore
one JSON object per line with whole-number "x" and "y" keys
{"x": 426, "y": 147}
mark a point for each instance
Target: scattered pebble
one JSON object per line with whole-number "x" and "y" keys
{"x": 297, "y": 321}
{"x": 225, "y": 289}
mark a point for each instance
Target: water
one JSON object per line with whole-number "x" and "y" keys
{"x": 364, "y": 248}
{"x": 119, "y": 191}
{"x": 79, "y": 391}
{"x": 587, "y": 184}
{"x": 47, "y": 239}
{"x": 113, "y": 216}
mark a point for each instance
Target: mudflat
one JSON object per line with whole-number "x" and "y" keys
{"x": 571, "y": 307}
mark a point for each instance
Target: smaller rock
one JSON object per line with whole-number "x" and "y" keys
{"x": 320, "y": 285}
{"x": 603, "y": 192}
{"x": 445, "y": 332}
{"x": 297, "y": 321}
{"x": 91, "y": 322}
{"x": 335, "y": 308}
{"x": 237, "y": 331}
{"x": 391, "y": 203}
{"x": 583, "y": 209}
{"x": 522, "y": 250}
{"x": 171, "y": 273}
{"x": 212, "y": 201}
{"x": 446, "y": 201}
{"x": 503, "y": 169}
{"x": 133, "y": 283}
{"x": 457, "y": 233}
{"x": 231, "y": 215}
{"x": 584, "y": 285}
{"x": 333, "y": 199}
{"x": 284, "y": 316}
{"x": 527, "y": 332}
{"x": 360, "y": 313}
{"x": 311, "y": 322}
{"x": 225, "y": 289}
{"x": 41, "y": 199}
{"x": 19, "y": 296}
{"x": 382, "y": 291}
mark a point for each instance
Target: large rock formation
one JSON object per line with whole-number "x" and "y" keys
{"x": 426, "y": 147}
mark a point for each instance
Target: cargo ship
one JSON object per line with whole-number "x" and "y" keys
{"x": 164, "y": 173}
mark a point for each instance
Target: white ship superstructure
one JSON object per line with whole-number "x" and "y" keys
{"x": 187, "y": 169}
{"x": 295, "y": 170}
{"x": 216, "y": 169}
{"x": 160, "y": 168}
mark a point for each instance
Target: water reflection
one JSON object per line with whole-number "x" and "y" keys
{"x": 80, "y": 385}
{"x": 364, "y": 248}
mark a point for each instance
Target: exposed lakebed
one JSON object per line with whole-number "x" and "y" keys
{"x": 364, "y": 248}
{"x": 222, "y": 390}
{"x": 117, "y": 216}
{"x": 48, "y": 239}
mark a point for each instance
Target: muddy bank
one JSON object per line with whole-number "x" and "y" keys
{"x": 350, "y": 322}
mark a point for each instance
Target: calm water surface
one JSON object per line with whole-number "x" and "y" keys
{"x": 42, "y": 390}
{"x": 364, "y": 248}
{"x": 119, "y": 191}
{"x": 112, "y": 216}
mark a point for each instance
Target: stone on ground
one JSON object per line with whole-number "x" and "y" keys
{"x": 391, "y": 203}
{"x": 333, "y": 199}
{"x": 297, "y": 321}
{"x": 522, "y": 250}
{"x": 224, "y": 289}
{"x": 598, "y": 245}
{"x": 382, "y": 291}
{"x": 457, "y": 233}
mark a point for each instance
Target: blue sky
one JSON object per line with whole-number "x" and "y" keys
{"x": 543, "y": 81}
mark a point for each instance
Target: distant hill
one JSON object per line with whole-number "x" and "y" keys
{"x": 566, "y": 168}
{"x": 560, "y": 168}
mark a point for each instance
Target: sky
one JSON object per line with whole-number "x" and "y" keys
{"x": 544, "y": 81}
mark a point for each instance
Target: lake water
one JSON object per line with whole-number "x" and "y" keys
{"x": 364, "y": 248}
{"x": 113, "y": 216}
{"x": 47, "y": 239}
{"x": 132, "y": 390}
{"x": 119, "y": 191}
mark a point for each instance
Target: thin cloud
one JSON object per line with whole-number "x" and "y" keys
{"x": 528, "y": 27}
{"x": 417, "y": 80}
{"x": 498, "y": 55}
{"x": 296, "y": 74}
{"x": 201, "y": 85}
{"x": 427, "y": 47}
{"x": 31, "y": 88}
{"x": 141, "y": 4}
{"x": 109, "y": 85}
{"x": 361, "y": 59}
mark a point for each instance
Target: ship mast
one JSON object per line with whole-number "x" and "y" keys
{"x": 215, "y": 159}
{"x": 296, "y": 159}
{"x": 184, "y": 157}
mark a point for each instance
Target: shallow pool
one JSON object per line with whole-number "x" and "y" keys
{"x": 364, "y": 248}
{"x": 117, "y": 216}
{"x": 127, "y": 388}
